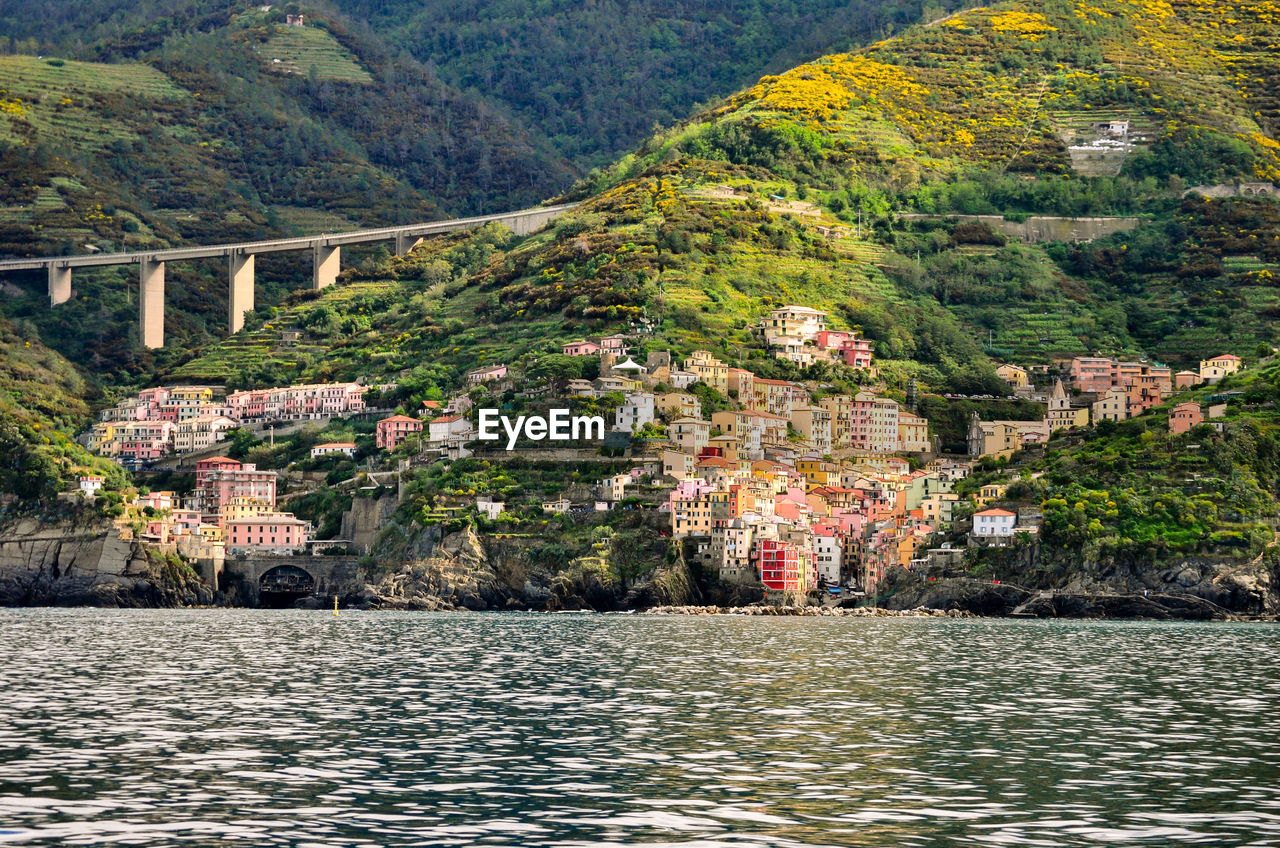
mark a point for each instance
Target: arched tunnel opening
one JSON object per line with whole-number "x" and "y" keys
{"x": 283, "y": 585}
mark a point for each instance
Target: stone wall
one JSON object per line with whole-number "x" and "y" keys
{"x": 366, "y": 518}
{"x": 334, "y": 575}
{"x": 1042, "y": 228}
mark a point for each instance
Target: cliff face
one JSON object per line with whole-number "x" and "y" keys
{"x": 465, "y": 571}
{"x": 453, "y": 572}
{"x": 60, "y": 565}
{"x": 1033, "y": 583}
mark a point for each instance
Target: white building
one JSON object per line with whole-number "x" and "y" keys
{"x": 801, "y": 323}
{"x": 635, "y": 412}
{"x": 489, "y": 508}
{"x": 615, "y": 487}
{"x": 449, "y": 428}
{"x": 348, "y": 448}
{"x": 91, "y": 484}
{"x": 994, "y": 524}
{"x": 828, "y": 555}
{"x": 199, "y": 433}
{"x": 682, "y": 379}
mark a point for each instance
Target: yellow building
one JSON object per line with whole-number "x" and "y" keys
{"x": 818, "y": 471}
{"x": 841, "y": 409}
{"x": 913, "y": 433}
{"x": 1015, "y": 375}
{"x": 708, "y": 370}
{"x": 1213, "y": 370}
{"x": 1062, "y": 415}
{"x": 990, "y": 492}
{"x": 678, "y": 405}
{"x": 814, "y": 424}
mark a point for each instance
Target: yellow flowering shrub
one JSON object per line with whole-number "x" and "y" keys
{"x": 1029, "y": 25}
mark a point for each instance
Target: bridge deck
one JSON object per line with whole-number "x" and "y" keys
{"x": 271, "y": 246}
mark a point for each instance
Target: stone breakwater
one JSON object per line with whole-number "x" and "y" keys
{"x": 835, "y": 612}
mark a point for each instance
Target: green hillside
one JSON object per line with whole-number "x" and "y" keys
{"x": 201, "y": 136}
{"x": 594, "y": 79}
{"x": 43, "y": 400}
{"x": 708, "y": 225}
{"x": 836, "y": 184}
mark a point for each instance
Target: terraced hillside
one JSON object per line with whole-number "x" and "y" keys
{"x": 795, "y": 191}
{"x": 204, "y": 137}
{"x": 305, "y": 50}
{"x": 791, "y": 192}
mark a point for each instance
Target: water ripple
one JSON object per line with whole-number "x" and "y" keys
{"x": 292, "y": 728}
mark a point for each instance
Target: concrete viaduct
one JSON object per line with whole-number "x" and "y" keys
{"x": 326, "y": 252}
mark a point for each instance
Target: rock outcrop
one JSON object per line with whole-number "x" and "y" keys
{"x": 63, "y": 565}
{"x": 1200, "y": 589}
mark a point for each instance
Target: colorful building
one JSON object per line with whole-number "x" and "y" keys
{"x": 394, "y": 431}
{"x": 272, "y": 532}
{"x": 1184, "y": 416}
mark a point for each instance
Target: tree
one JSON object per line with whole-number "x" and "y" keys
{"x": 556, "y": 369}
{"x": 25, "y": 471}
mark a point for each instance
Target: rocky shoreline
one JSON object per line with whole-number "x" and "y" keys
{"x": 813, "y": 611}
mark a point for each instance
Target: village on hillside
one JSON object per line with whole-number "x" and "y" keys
{"x": 789, "y": 486}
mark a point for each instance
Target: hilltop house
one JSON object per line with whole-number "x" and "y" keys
{"x": 449, "y": 428}
{"x": 856, "y": 353}
{"x": 393, "y": 431}
{"x": 1213, "y": 370}
{"x": 580, "y": 348}
{"x": 1015, "y": 375}
{"x": 486, "y": 375}
{"x": 993, "y": 525}
{"x": 1184, "y": 416}
{"x": 799, "y": 323}
{"x": 348, "y": 448}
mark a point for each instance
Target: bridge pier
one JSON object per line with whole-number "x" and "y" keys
{"x": 328, "y": 261}
{"x": 59, "y": 284}
{"x": 528, "y": 223}
{"x": 405, "y": 243}
{"x": 240, "y": 292}
{"x": 151, "y": 302}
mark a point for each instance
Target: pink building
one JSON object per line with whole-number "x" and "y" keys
{"x": 271, "y": 532}
{"x": 1184, "y": 416}
{"x": 224, "y": 479}
{"x": 185, "y": 522}
{"x": 833, "y": 339}
{"x": 616, "y": 343}
{"x": 1147, "y": 385}
{"x": 214, "y": 463}
{"x": 580, "y": 349}
{"x": 1091, "y": 373}
{"x": 1186, "y": 380}
{"x": 485, "y": 375}
{"x": 310, "y": 400}
{"x": 856, "y": 352}
{"x": 144, "y": 440}
{"x": 393, "y": 431}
